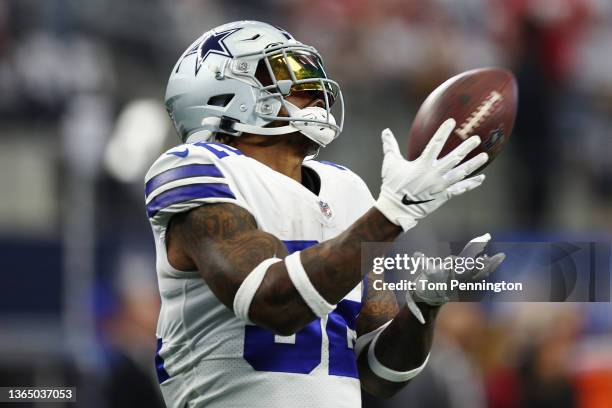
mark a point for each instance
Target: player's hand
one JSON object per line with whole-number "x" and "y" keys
{"x": 440, "y": 275}
{"x": 413, "y": 189}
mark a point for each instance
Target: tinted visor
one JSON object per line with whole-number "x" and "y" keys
{"x": 306, "y": 68}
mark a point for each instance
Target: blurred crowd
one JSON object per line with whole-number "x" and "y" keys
{"x": 82, "y": 118}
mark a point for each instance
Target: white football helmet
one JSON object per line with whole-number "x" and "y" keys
{"x": 235, "y": 77}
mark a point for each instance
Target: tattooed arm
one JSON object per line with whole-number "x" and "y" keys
{"x": 223, "y": 243}
{"x": 402, "y": 346}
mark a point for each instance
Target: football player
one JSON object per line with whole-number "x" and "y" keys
{"x": 264, "y": 303}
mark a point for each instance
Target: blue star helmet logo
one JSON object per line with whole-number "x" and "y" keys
{"x": 214, "y": 44}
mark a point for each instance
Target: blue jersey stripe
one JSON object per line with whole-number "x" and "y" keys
{"x": 162, "y": 374}
{"x": 332, "y": 164}
{"x": 177, "y": 173}
{"x": 186, "y": 193}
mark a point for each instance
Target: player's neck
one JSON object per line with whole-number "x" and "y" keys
{"x": 279, "y": 158}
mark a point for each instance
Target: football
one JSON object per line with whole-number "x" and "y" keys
{"x": 482, "y": 102}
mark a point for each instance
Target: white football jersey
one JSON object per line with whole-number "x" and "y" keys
{"x": 206, "y": 356}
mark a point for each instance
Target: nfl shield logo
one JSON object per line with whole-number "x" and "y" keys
{"x": 325, "y": 209}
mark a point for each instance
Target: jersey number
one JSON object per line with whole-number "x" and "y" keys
{"x": 302, "y": 353}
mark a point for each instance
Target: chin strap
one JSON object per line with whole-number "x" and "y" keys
{"x": 242, "y": 127}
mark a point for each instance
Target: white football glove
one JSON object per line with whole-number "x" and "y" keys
{"x": 438, "y": 275}
{"x": 413, "y": 189}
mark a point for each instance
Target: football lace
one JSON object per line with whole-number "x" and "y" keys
{"x": 484, "y": 110}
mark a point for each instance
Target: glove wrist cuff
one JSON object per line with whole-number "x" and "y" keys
{"x": 417, "y": 305}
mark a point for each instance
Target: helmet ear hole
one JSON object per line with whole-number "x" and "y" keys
{"x": 220, "y": 100}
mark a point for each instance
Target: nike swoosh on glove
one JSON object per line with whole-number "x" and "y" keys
{"x": 413, "y": 189}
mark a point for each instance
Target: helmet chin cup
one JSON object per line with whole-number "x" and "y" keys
{"x": 318, "y": 126}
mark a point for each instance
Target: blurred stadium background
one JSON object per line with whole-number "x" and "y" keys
{"x": 81, "y": 93}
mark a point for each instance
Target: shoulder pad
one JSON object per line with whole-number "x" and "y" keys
{"x": 185, "y": 177}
